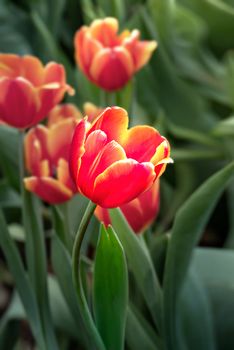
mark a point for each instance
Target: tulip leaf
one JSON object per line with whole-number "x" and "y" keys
{"x": 137, "y": 336}
{"x": 9, "y": 198}
{"x": 186, "y": 232}
{"x": 197, "y": 332}
{"x": 110, "y": 292}
{"x": 215, "y": 266}
{"x": 61, "y": 261}
{"x": 140, "y": 264}
{"x": 36, "y": 259}
{"x": 22, "y": 282}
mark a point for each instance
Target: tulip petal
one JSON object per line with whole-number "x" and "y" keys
{"x": 143, "y": 210}
{"x": 63, "y": 175}
{"x": 32, "y": 70}
{"x": 97, "y": 159}
{"x": 93, "y": 148}
{"x": 77, "y": 147}
{"x": 112, "y": 68}
{"x": 102, "y": 215}
{"x": 141, "y": 143}
{"x": 121, "y": 182}
{"x": 105, "y": 30}
{"x": 113, "y": 121}
{"x": 35, "y": 146}
{"x": 141, "y": 51}
{"x": 48, "y": 189}
{"x": 10, "y": 65}
{"x": 59, "y": 140}
{"x": 61, "y": 112}
{"x": 18, "y": 102}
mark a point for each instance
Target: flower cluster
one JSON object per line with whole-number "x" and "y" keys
{"x": 91, "y": 152}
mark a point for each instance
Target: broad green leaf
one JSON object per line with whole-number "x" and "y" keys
{"x": 215, "y": 266}
{"x": 186, "y": 232}
{"x": 141, "y": 265}
{"x": 22, "y": 283}
{"x": 61, "y": 261}
{"x": 36, "y": 259}
{"x": 110, "y": 291}
{"x": 158, "y": 252}
{"x": 194, "y": 318}
{"x": 137, "y": 335}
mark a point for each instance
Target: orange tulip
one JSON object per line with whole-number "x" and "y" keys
{"x": 29, "y": 90}
{"x": 69, "y": 110}
{"x": 46, "y": 154}
{"x": 108, "y": 59}
{"x": 140, "y": 212}
{"x": 112, "y": 165}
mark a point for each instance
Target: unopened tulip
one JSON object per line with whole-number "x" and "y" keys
{"x": 112, "y": 165}
{"x": 140, "y": 212}
{"x": 46, "y": 154}
{"x": 107, "y": 58}
{"x": 29, "y": 90}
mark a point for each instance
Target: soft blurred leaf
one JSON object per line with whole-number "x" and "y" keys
{"x": 22, "y": 283}
{"x": 9, "y": 198}
{"x": 37, "y": 264}
{"x": 139, "y": 335}
{"x": 197, "y": 332}
{"x": 186, "y": 232}
{"x": 215, "y": 266}
{"x": 110, "y": 291}
{"x": 62, "y": 267}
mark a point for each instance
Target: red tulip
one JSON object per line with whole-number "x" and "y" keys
{"x": 140, "y": 212}
{"x": 46, "y": 154}
{"x": 112, "y": 165}
{"x": 108, "y": 59}
{"x": 28, "y": 89}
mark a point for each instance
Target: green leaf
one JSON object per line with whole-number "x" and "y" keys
{"x": 141, "y": 265}
{"x": 36, "y": 258}
{"x": 22, "y": 283}
{"x": 9, "y": 198}
{"x": 194, "y": 319}
{"x": 139, "y": 335}
{"x": 61, "y": 261}
{"x": 215, "y": 266}
{"x": 110, "y": 291}
{"x": 186, "y": 232}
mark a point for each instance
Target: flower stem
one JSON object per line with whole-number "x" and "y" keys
{"x": 84, "y": 309}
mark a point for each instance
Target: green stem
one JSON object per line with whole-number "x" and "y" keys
{"x": 85, "y": 312}
{"x": 36, "y": 254}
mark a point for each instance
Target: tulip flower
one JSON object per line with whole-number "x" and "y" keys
{"x": 140, "y": 212}
{"x": 29, "y": 90}
{"x": 46, "y": 155}
{"x": 112, "y": 165}
{"x": 69, "y": 110}
{"x": 110, "y": 60}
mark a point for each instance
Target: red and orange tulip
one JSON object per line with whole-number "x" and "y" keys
{"x": 69, "y": 110}
{"x": 108, "y": 59}
{"x": 112, "y": 165}
{"x": 140, "y": 212}
{"x": 29, "y": 90}
{"x": 46, "y": 154}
